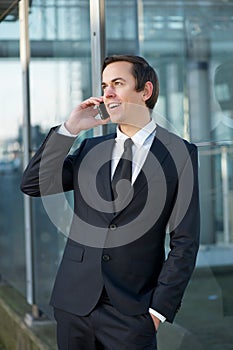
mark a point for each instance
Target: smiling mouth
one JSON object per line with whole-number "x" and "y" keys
{"x": 112, "y": 106}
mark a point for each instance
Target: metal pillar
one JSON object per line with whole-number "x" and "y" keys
{"x": 97, "y": 24}
{"x": 25, "y": 58}
{"x": 199, "y": 121}
{"x": 225, "y": 194}
{"x": 172, "y": 101}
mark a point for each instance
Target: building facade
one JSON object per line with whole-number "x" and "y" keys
{"x": 190, "y": 44}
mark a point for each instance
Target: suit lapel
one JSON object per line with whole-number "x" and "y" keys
{"x": 104, "y": 175}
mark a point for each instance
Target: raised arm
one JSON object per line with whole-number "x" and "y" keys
{"x": 50, "y": 170}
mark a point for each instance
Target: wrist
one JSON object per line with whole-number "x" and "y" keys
{"x": 156, "y": 321}
{"x": 73, "y": 129}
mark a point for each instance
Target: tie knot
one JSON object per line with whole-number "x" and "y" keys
{"x": 128, "y": 143}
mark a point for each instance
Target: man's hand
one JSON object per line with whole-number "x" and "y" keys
{"x": 156, "y": 321}
{"x": 83, "y": 116}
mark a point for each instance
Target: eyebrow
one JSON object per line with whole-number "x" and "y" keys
{"x": 113, "y": 80}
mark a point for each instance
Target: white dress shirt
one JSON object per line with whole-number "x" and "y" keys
{"x": 142, "y": 142}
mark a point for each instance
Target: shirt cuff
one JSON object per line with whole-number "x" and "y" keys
{"x": 158, "y": 315}
{"x": 63, "y": 131}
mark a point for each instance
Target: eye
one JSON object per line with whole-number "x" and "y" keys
{"x": 118, "y": 83}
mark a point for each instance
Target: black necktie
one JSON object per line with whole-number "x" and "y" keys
{"x": 124, "y": 167}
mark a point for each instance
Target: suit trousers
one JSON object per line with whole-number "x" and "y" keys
{"x": 105, "y": 328}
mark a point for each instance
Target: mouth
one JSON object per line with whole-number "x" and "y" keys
{"x": 113, "y": 105}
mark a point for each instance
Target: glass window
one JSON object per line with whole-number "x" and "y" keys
{"x": 190, "y": 44}
{"x": 12, "y": 242}
{"x": 123, "y": 35}
{"x": 60, "y": 78}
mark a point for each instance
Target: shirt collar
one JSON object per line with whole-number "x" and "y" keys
{"x": 140, "y": 137}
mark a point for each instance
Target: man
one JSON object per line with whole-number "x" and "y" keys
{"x": 114, "y": 285}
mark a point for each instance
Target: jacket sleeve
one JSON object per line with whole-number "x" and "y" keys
{"x": 184, "y": 227}
{"x": 50, "y": 169}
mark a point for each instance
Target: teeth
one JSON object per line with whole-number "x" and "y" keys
{"x": 113, "y": 105}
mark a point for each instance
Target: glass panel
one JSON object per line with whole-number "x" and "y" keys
{"x": 12, "y": 242}
{"x": 123, "y": 35}
{"x": 60, "y": 78}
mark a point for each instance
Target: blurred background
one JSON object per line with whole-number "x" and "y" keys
{"x": 50, "y": 60}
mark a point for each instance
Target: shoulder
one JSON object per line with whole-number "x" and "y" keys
{"x": 170, "y": 139}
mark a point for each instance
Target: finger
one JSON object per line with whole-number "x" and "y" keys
{"x": 91, "y": 101}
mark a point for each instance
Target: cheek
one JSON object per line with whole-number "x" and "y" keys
{"x": 135, "y": 99}
{"x": 132, "y": 108}
{"x": 122, "y": 95}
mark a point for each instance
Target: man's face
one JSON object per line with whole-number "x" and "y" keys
{"x": 122, "y": 100}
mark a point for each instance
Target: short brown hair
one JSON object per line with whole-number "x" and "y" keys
{"x": 142, "y": 73}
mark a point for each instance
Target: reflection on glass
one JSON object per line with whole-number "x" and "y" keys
{"x": 223, "y": 87}
{"x": 12, "y": 242}
{"x": 190, "y": 44}
{"x": 60, "y": 78}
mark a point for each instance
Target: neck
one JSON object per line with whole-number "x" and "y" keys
{"x": 128, "y": 129}
{"x": 132, "y": 128}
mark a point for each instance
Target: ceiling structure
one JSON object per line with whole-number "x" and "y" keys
{"x": 9, "y": 8}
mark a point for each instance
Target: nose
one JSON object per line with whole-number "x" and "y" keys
{"x": 109, "y": 92}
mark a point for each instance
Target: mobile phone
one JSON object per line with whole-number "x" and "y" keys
{"x": 103, "y": 111}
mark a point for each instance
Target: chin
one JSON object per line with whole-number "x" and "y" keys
{"x": 117, "y": 118}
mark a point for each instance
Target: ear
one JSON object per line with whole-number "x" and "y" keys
{"x": 147, "y": 92}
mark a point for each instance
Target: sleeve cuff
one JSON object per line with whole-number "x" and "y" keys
{"x": 158, "y": 315}
{"x": 63, "y": 131}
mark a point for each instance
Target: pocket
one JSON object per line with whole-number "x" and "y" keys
{"x": 150, "y": 320}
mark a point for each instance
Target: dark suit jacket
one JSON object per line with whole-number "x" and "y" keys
{"x": 123, "y": 251}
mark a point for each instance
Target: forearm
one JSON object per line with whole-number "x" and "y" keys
{"x": 44, "y": 174}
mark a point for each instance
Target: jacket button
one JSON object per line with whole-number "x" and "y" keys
{"x": 106, "y": 257}
{"x": 113, "y": 227}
